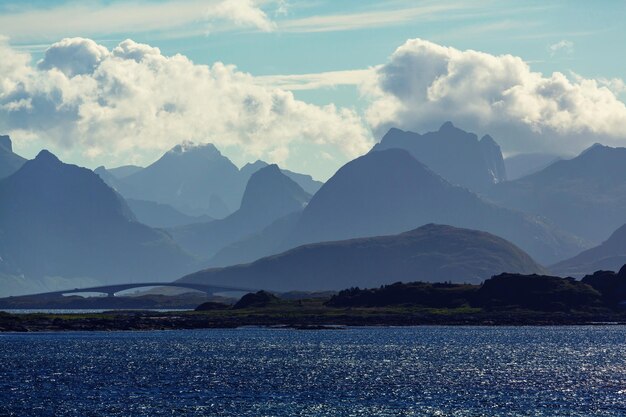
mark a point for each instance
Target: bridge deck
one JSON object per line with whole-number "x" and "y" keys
{"x": 111, "y": 290}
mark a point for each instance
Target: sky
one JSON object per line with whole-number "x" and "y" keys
{"x": 306, "y": 84}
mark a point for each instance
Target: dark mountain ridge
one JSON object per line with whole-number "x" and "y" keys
{"x": 430, "y": 253}
{"x": 387, "y": 192}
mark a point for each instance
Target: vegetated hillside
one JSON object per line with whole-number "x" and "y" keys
{"x": 430, "y": 253}
{"x": 501, "y": 292}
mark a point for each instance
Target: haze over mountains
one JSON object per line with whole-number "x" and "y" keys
{"x": 194, "y": 179}
{"x": 63, "y": 226}
{"x": 387, "y": 192}
{"x": 62, "y": 222}
{"x": 585, "y": 195}
{"x": 269, "y": 195}
{"x": 431, "y": 253}
{"x": 610, "y": 255}
{"x": 521, "y": 165}
{"x": 456, "y": 155}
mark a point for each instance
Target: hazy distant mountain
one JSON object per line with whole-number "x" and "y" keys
{"x": 9, "y": 161}
{"x": 456, "y": 155}
{"x": 307, "y": 182}
{"x": 59, "y": 220}
{"x": 269, "y": 195}
{"x": 585, "y": 195}
{"x": 162, "y": 215}
{"x": 387, "y": 192}
{"x": 431, "y": 253}
{"x": 608, "y": 256}
{"x": 109, "y": 179}
{"x": 195, "y": 179}
{"x": 270, "y": 240}
{"x": 518, "y": 166}
{"x": 124, "y": 171}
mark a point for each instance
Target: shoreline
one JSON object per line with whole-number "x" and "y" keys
{"x": 302, "y": 320}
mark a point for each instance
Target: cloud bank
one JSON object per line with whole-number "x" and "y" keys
{"x": 134, "y": 100}
{"x": 424, "y": 84}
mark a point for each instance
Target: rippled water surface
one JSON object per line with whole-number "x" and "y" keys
{"x": 422, "y": 371}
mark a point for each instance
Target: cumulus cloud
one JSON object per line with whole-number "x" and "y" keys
{"x": 134, "y": 100}
{"x": 424, "y": 84}
{"x": 74, "y": 56}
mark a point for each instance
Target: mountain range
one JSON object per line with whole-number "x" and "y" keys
{"x": 388, "y": 192}
{"x": 59, "y": 221}
{"x": 585, "y": 195}
{"x": 456, "y": 155}
{"x": 61, "y": 224}
{"x": 194, "y": 180}
{"x": 433, "y": 253}
{"x": 269, "y": 195}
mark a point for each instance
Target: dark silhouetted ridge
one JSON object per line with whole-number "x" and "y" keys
{"x": 429, "y": 253}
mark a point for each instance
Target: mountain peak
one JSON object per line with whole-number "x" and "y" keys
{"x": 447, "y": 126}
{"x": 252, "y": 167}
{"x": 456, "y": 155}
{"x": 269, "y": 186}
{"x": 5, "y": 142}
{"x": 207, "y": 149}
{"x": 46, "y": 156}
{"x": 594, "y": 148}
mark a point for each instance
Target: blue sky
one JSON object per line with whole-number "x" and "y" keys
{"x": 283, "y": 38}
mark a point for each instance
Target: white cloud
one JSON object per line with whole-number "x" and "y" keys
{"x": 561, "y": 46}
{"x": 102, "y": 18}
{"x": 424, "y": 84}
{"x": 616, "y": 85}
{"x": 243, "y": 13}
{"x": 74, "y": 56}
{"x": 366, "y": 19}
{"x": 135, "y": 101}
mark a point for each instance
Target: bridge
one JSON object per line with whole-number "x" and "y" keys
{"x": 111, "y": 290}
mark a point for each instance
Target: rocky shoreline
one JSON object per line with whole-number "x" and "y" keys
{"x": 333, "y": 318}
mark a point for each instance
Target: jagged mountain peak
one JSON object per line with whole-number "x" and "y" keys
{"x": 456, "y": 155}
{"x": 270, "y": 187}
{"x": 5, "y": 142}
{"x": 190, "y": 147}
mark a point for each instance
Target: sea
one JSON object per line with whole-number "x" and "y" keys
{"x": 368, "y": 371}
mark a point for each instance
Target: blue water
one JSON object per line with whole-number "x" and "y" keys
{"x": 423, "y": 371}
